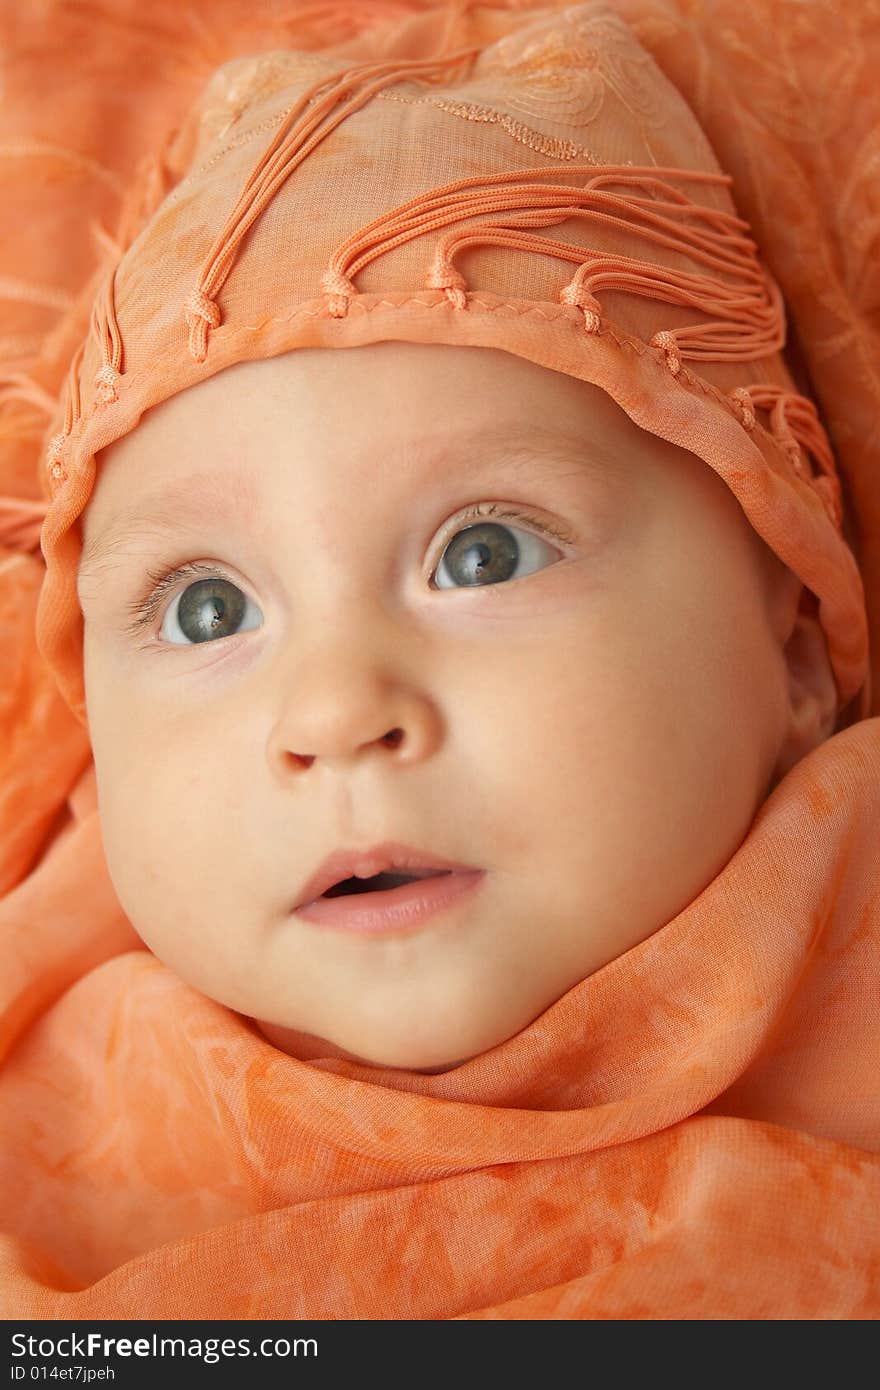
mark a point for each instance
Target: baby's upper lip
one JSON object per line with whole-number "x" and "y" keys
{"x": 380, "y": 859}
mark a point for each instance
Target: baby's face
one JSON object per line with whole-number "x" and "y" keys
{"x": 592, "y": 717}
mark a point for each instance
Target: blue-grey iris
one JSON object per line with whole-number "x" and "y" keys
{"x": 483, "y": 554}
{"x": 210, "y": 608}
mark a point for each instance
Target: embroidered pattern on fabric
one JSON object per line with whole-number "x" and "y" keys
{"x": 240, "y": 85}
{"x": 243, "y": 139}
{"x": 245, "y": 82}
{"x": 564, "y": 73}
{"x": 517, "y": 130}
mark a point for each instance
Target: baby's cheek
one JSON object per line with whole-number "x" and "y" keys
{"x": 144, "y": 813}
{"x": 136, "y": 855}
{"x": 160, "y": 885}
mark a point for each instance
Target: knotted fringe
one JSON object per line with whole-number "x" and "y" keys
{"x": 291, "y": 145}
{"x": 795, "y": 423}
{"x": 747, "y": 313}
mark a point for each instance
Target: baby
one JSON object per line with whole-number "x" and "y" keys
{"x": 478, "y": 917}
{"x": 473, "y": 611}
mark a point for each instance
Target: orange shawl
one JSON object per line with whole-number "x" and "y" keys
{"x": 693, "y": 1131}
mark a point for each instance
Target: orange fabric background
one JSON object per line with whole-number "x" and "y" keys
{"x": 709, "y": 1147}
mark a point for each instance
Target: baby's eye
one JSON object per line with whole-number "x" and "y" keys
{"x": 479, "y": 553}
{"x": 210, "y": 608}
{"x": 489, "y": 553}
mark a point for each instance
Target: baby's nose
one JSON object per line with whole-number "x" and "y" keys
{"x": 344, "y": 706}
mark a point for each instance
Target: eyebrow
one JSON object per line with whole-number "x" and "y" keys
{"x": 199, "y": 496}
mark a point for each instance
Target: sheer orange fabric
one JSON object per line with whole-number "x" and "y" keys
{"x": 693, "y": 1130}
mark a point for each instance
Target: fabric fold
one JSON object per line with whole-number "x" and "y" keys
{"x": 655, "y": 1109}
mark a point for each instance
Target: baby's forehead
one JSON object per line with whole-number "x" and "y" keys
{"x": 423, "y": 400}
{"x": 387, "y": 419}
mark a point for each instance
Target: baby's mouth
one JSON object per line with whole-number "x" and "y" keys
{"x": 388, "y": 878}
{"x": 378, "y": 883}
{"x": 389, "y": 902}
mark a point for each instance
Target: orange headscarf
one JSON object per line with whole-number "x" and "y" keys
{"x": 698, "y": 1121}
{"x": 292, "y": 228}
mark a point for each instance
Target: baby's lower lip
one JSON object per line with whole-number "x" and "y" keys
{"x": 400, "y": 909}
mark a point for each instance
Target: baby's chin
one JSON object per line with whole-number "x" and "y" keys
{"x": 307, "y": 1047}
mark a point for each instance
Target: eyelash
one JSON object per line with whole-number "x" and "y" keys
{"x": 145, "y": 609}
